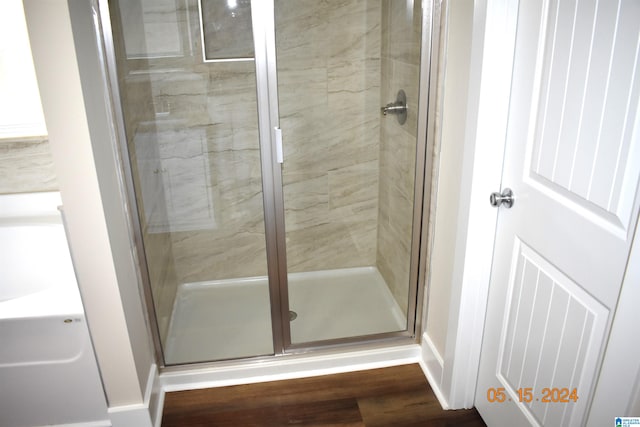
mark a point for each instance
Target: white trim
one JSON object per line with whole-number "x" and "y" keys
{"x": 102, "y": 423}
{"x": 152, "y": 380}
{"x": 432, "y": 357}
{"x": 130, "y": 415}
{"x": 487, "y": 112}
{"x": 145, "y": 414}
{"x": 432, "y": 365}
{"x": 157, "y": 417}
{"x": 291, "y": 368}
{"x": 153, "y": 396}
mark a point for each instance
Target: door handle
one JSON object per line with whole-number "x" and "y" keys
{"x": 279, "y": 153}
{"x": 505, "y": 198}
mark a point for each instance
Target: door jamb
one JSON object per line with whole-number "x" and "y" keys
{"x": 492, "y": 52}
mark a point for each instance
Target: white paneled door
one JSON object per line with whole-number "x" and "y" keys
{"x": 572, "y": 159}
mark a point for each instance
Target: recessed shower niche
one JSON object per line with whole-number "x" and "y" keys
{"x": 265, "y": 178}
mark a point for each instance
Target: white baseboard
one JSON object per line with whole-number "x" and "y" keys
{"x": 433, "y": 365}
{"x": 103, "y": 423}
{"x": 154, "y": 397}
{"x": 130, "y": 415}
{"x": 289, "y": 368}
{"x": 143, "y": 414}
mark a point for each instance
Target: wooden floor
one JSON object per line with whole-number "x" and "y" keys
{"x": 398, "y": 396}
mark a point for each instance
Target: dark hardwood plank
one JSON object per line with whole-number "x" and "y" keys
{"x": 397, "y": 396}
{"x": 339, "y": 413}
{"x": 339, "y": 386}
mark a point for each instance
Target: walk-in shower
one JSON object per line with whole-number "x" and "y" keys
{"x": 278, "y": 208}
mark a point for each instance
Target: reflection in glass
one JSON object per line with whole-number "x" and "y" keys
{"x": 192, "y": 140}
{"x": 227, "y": 29}
{"x": 151, "y": 28}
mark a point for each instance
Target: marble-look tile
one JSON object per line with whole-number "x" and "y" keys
{"x": 301, "y": 87}
{"x": 218, "y": 105}
{"x": 393, "y": 262}
{"x": 354, "y": 30}
{"x": 335, "y": 244}
{"x": 162, "y": 277}
{"x": 398, "y": 157}
{"x": 236, "y": 253}
{"x": 353, "y": 192}
{"x": 26, "y": 166}
{"x": 241, "y": 208}
{"x": 321, "y": 225}
{"x": 306, "y": 200}
{"x": 303, "y": 118}
{"x": 400, "y": 53}
{"x": 401, "y": 30}
{"x": 302, "y": 32}
{"x": 336, "y": 67}
{"x": 329, "y": 99}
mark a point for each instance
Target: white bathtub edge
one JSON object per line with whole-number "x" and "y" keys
{"x": 24, "y": 205}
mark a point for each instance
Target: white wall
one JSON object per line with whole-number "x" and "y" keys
{"x": 454, "y": 161}
{"x": 451, "y": 147}
{"x": 20, "y": 112}
{"x": 83, "y": 156}
{"x": 469, "y": 235}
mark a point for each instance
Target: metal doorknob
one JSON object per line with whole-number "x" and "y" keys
{"x": 505, "y": 198}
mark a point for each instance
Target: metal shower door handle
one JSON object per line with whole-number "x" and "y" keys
{"x": 505, "y": 198}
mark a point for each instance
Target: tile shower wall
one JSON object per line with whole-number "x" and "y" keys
{"x": 401, "y": 35}
{"x": 348, "y": 175}
{"x": 329, "y": 81}
{"x": 219, "y": 106}
{"x": 197, "y": 156}
{"x": 328, "y": 56}
{"x": 26, "y": 166}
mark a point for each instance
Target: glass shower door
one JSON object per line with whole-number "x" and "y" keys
{"x": 187, "y": 85}
{"x": 247, "y": 253}
{"x": 348, "y": 171}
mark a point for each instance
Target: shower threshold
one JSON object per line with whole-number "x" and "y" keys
{"x": 228, "y": 319}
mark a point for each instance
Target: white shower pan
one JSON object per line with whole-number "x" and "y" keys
{"x": 231, "y": 318}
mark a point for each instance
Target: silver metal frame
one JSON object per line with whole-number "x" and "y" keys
{"x": 268, "y": 120}
{"x": 431, "y": 19}
{"x": 263, "y": 21}
{"x": 105, "y": 39}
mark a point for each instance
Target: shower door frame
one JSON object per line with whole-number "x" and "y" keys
{"x": 264, "y": 33}
{"x": 263, "y": 23}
